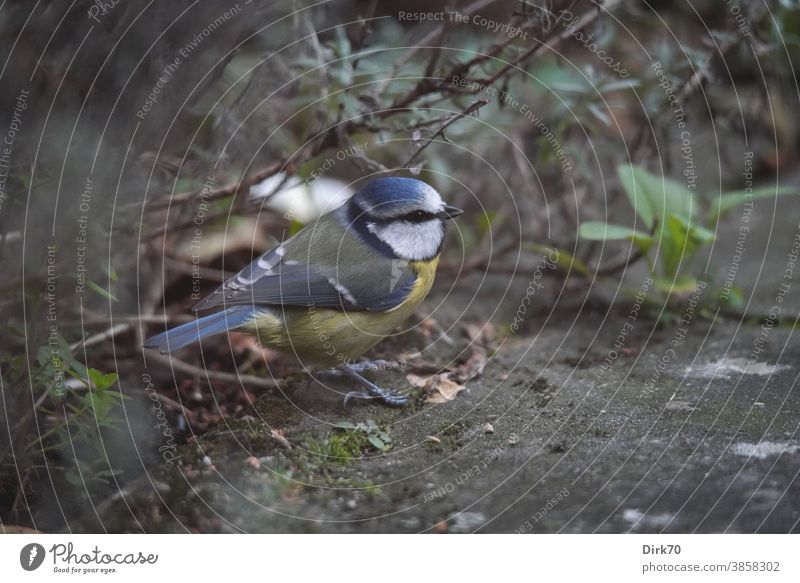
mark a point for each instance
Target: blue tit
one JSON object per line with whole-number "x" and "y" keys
{"x": 337, "y": 287}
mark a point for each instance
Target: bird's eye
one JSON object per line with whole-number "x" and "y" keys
{"x": 417, "y": 216}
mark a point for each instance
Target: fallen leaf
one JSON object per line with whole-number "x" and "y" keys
{"x": 434, "y": 439}
{"x": 439, "y": 388}
{"x": 277, "y": 435}
{"x": 480, "y": 341}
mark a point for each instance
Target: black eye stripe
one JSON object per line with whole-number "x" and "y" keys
{"x": 418, "y": 216}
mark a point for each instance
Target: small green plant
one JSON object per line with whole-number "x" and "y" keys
{"x": 79, "y": 413}
{"x": 376, "y": 436}
{"x": 674, "y": 226}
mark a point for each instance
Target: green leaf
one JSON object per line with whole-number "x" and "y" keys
{"x": 734, "y": 298}
{"x": 73, "y": 478}
{"x": 635, "y": 192}
{"x": 684, "y": 284}
{"x": 377, "y": 442}
{"x": 565, "y": 260}
{"x": 346, "y": 425}
{"x": 101, "y": 381}
{"x": 728, "y": 201}
{"x": 102, "y": 292}
{"x": 598, "y": 231}
{"x": 79, "y": 369}
{"x": 653, "y": 197}
{"x": 678, "y": 242}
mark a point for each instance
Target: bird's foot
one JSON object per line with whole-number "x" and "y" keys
{"x": 372, "y": 391}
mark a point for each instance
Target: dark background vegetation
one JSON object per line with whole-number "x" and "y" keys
{"x": 276, "y": 90}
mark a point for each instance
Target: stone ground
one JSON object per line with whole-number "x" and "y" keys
{"x": 700, "y": 446}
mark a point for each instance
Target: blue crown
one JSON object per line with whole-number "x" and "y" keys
{"x": 393, "y": 195}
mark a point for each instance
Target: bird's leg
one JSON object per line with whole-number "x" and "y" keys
{"x": 372, "y": 391}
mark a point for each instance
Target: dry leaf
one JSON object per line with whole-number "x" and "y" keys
{"x": 434, "y": 439}
{"x": 480, "y": 340}
{"x": 277, "y": 435}
{"x": 439, "y": 388}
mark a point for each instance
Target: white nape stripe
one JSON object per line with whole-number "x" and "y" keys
{"x": 432, "y": 202}
{"x": 411, "y": 241}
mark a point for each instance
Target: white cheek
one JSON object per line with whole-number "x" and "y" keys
{"x": 413, "y": 241}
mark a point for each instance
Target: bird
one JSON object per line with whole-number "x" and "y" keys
{"x": 342, "y": 283}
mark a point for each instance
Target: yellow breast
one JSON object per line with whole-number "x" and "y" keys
{"x": 325, "y": 337}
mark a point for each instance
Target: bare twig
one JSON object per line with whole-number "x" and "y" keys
{"x": 174, "y": 405}
{"x": 365, "y": 29}
{"x": 619, "y": 266}
{"x": 473, "y": 107}
{"x": 361, "y": 160}
{"x": 101, "y": 336}
{"x": 214, "y": 375}
{"x": 423, "y": 43}
{"x": 223, "y": 191}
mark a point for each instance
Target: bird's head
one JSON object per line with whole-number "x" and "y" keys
{"x": 405, "y": 214}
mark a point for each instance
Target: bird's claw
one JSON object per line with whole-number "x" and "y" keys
{"x": 373, "y": 391}
{"x": 356, "y": 395}
{"x": 388, "y": 398}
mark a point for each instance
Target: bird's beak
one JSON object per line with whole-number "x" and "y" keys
{"x": 450, "y": 212}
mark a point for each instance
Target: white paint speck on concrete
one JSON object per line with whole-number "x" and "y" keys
{"x": 637, "y": 519}
{"x": 764, "y": 449}
{"x": 728, "y": 367}
{"x": 464, "y": 522}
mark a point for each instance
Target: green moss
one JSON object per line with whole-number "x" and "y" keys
{"x": 344, "y": 446}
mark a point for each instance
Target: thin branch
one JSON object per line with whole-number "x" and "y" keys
{"x": 101, "y": 336}
{"x": 473, "y": 107}
{"x": 469, "y": 10}
{"x": 214, "y": 375}
{"x": 221, "y": 192}
{"x": 365, "y": 29}
{"x": 621, "y": 265}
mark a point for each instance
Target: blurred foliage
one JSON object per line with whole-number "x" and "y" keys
{"x": 674, "y": 230}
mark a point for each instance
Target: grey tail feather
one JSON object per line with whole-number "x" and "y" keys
{"x": 192, "y": 332}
